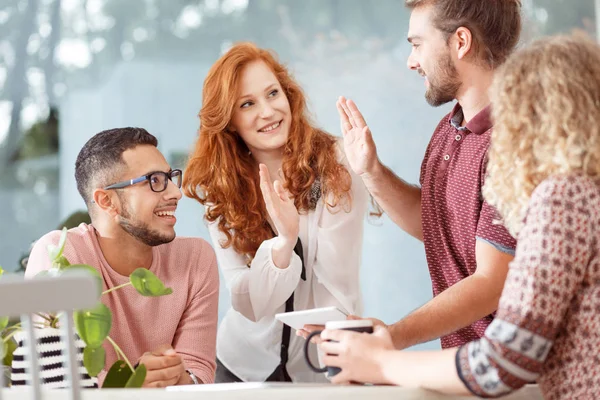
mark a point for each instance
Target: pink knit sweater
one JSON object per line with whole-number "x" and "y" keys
{"x": 186, "y": 319}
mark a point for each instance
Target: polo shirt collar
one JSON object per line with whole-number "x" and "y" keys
{"x": 478, "y": 125}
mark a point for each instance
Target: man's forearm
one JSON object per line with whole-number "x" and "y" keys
{"x": 457, "y": 307}
{"x": 400, "y": 200}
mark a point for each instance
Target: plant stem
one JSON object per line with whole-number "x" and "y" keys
{"x": 116, "y": 287}
{"x": 15, "y": 329}
{"x": 54, "y": 322}
{"x": 120, "y": 352}
{"x": 15, "y": 326}
{"x": 44, "y": 316}
{"x": 9, "y": 336}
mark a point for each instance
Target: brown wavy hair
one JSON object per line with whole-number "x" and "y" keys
{"x": 494, "y": 24}
{"x": 223, "y": 176}
{"x": 546, "y": 111}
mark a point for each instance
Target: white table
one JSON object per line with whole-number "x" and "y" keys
{"x": 266, "y": 392}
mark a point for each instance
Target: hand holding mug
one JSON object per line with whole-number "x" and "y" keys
{"x": 359, "y": 357}
{"x": 349, "y": 326}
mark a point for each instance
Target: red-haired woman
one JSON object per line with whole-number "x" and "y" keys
{"x": 294, "y": 244}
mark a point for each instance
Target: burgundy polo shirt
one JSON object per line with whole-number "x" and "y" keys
{"x": 454, "y": 214}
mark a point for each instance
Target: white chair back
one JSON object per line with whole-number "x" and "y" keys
{"x": 23, "y": 298}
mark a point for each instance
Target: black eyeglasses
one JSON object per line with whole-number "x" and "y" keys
{"x": 158, "y": 180}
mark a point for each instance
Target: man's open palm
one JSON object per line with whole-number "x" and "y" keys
{"x": 358, "y": 143}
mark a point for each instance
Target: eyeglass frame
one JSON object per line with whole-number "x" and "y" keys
{"x": 131, "y": 182}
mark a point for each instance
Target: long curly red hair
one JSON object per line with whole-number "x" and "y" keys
{"x": 222, "y": 175}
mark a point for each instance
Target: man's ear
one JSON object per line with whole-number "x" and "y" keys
{"x": 106, "y": 201}
{"x": 463, "y": 42}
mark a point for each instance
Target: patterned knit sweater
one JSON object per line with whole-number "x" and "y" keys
{"x": 547, "y": 328}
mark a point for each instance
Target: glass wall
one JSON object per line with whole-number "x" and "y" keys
{"x": 71, "y": 68}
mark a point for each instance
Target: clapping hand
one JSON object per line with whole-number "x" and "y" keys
{"x": 283, "y": 214}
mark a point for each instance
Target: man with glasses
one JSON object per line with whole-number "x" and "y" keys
{"x": 132, "y": 194}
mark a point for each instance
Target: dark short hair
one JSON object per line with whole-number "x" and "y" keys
{"x": 494, "y": 24}
{"x": 102, "y": 156}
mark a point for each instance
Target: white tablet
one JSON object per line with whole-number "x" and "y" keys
{"x": 316, "y": 316}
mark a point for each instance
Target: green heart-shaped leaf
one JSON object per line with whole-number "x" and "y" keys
{"x": 117, "y": 375}
{"x": 8, "y": 348}
{"x": 88, "y": 269}
{"x": 93, "y": 360}
{"x": 147, "y": 284}
{"x": 93, "y": 326}
{"x": 138, "y": 377}
{"x": 3, "y": 322}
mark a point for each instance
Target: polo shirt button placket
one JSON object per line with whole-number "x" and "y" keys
{"x": 458, "y": 137}
{"x": 446, "y": 157}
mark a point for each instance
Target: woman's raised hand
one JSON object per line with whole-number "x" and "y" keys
{"x": 280, "y": 207}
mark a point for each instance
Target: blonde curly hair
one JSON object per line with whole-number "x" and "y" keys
{"x": 546, "y": 112}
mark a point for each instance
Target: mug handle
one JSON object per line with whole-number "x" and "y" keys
{"x": 306, "y": 356}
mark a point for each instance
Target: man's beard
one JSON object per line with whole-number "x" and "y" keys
{"x": 140, "y": 230}
{"x": 446, "y": 84}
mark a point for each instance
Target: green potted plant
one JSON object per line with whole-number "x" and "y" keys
{"x": 92, "y": 326}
